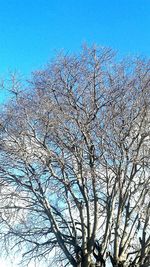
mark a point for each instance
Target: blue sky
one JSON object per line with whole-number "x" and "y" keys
{"x": 32, "y": 31}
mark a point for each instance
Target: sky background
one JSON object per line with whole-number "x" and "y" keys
{"x": 33, "y": 31}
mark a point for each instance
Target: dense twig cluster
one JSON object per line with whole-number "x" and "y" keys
{"x": 74, "y": 162}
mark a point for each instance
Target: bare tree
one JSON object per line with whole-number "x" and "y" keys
{"x": 74, "y": 163}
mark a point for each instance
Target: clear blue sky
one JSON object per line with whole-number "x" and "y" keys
{"x": 32, "y": 30}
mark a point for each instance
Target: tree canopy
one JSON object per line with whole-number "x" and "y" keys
{"x": 74, "y": 162}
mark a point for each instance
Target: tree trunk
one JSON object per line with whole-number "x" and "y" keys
{"x": 86, "y": 262}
